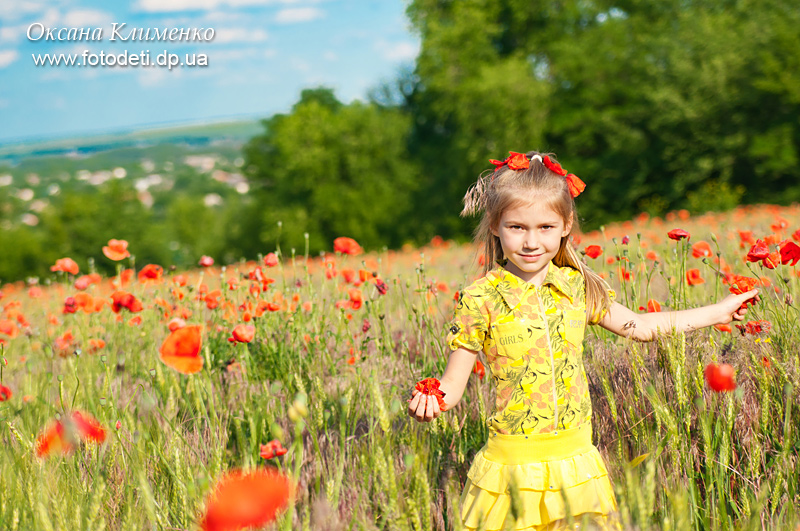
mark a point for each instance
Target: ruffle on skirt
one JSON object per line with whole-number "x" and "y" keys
{"x": 583, "y": 477}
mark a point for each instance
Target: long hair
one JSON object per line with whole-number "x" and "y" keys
{"x": 496, "y": 192}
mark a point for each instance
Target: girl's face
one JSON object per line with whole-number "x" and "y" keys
{"x": 531, "y": 236}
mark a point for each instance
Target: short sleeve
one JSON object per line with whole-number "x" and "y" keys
{"x": 612, "y": 296}
{"x": 468, "y": 327}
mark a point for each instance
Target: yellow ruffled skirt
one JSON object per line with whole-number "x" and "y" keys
{"x": 554, "y": 473}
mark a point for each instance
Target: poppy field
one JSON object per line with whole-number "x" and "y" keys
{"x": 272, "y": 393}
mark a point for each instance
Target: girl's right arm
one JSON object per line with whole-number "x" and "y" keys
{"x": 425, "y": 408}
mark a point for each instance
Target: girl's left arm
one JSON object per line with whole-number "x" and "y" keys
{"x": 647, "y": 326}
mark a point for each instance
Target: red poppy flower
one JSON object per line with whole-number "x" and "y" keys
{"x": 757, "y": 327}
{"x": 701, "y": 249}
{"x": 61, "y": 436}
{"x": 720, "y": 377}
{"x": 95, "y": 345}
{"x": 724, "y": 328}
{"x": 272, "y": 449}
{"x": 66, "y": 265}
{"x": 678, "y": 234}
{"x": 693, "y": 277}
{"x": 653, "y": 306}
{"x": 651, "y": 255}
{"x": 759, "y": 251}
{"x": 9, "y": 328}
{"x": 85, "y": 281}
{"x": 206, "y": 261}
{"x": 116, "y": 250}
{"x": 593, "y": 251}
{"x": 515, "y": 161}
{"x": 356, "y": 298}
{"x": 181, "y": 349}
{"x": 243, "y": 333}
{"x": 430, "y": 386}
{"x": 796, "y": 235}
{"x": 150, "y": 272}
{"x": 5, "y": 393}
{"x": 740, "y": 284}
{"x": 478, "y": 369}
{"x": 247, "y": 499}
{"x": 790, "y": 253}
{"x": 382, "y": 287}
{"x": 123, "y": 299}
{"x": 88, "y": 427}
{"x": 626, "y": 240}
{"x": 271, "y": 260}
{"x": 347, "y": 246}
{"x": 772, "y": 261}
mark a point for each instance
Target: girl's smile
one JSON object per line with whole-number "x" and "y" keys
{"x": 530, "y": 236}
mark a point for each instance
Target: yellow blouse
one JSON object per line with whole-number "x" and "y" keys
{"x": 537, "y": 364}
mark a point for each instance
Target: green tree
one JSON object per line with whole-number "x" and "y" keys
{"x": 332, "y": 170}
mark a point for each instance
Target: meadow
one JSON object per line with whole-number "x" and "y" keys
{"x": 124, "y": 400}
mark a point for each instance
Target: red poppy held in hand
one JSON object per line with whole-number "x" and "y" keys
{"x": 246, "y": 500}
{"x": 430, "y": 387}
{"x": 181, "y": 349}
{"x": 678, "y": 234}
{"x": 720, "y": 377}
{"x": 739, "y": 285}
{"x": 272, "y": 449}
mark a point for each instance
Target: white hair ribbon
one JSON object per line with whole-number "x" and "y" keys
{"x": 536, "y": 157}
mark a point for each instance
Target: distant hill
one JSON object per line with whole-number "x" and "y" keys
{"x": 195, "y": 135}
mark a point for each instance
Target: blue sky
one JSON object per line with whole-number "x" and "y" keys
{"x": 263, "y": 54}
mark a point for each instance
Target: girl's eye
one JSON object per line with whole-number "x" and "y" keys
{"x": 545, "y": 227}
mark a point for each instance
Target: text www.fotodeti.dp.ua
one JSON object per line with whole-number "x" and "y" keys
{"x": 143, "y": 58}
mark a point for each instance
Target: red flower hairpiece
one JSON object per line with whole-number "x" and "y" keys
{"x": 515, "y": 161}
{"x": 574, "y": 184}
{"x": 519, "y": 161}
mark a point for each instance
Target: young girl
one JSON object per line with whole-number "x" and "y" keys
{"x": 528, "y": 314}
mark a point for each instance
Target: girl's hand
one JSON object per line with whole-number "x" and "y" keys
{"x": 732, "y": 307}
{"x": 422, "y": 407}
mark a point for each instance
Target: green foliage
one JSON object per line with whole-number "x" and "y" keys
{"x": 332, "y": 170}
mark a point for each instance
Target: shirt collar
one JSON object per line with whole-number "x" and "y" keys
{"x": 512, "y": 288}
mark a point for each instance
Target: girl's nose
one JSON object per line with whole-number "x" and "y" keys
{"x": 531, "y": 242}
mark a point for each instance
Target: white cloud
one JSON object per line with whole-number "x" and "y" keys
{"x": 167, "y": 6}
{"x": 7, "y": 57}
{"x": 330, "y": 56}
{"x": 82, "y": 18}
{"x": 298, "y": 14}
{"x": 14, "y": 9}
{"x": 295, "y": 63}
{"x": 398, "y": 51}
{"x": 226, "y": 35}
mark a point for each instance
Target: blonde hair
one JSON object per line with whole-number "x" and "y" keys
{"x": 504, "y": 189}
